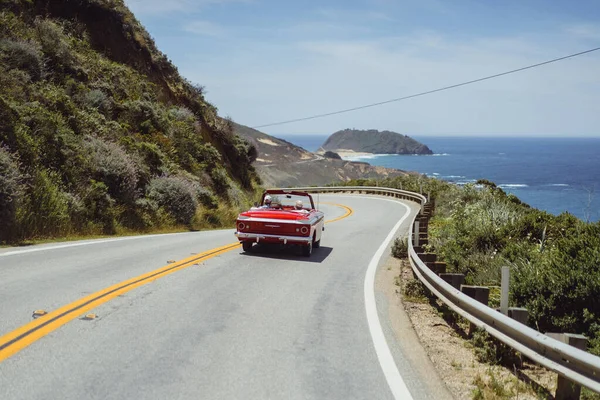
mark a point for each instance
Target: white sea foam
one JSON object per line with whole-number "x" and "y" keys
{"x": 440, "y": 155}
{"x": 466, "y": 182}
{"x": 454, "y": 176}
{"x": 558, "y": 184}
{"x": 513, "y": 185}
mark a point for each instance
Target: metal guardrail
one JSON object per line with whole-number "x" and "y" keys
{"x": 572, "y": 363}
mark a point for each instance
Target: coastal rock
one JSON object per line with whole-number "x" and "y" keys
{"x": 374, "y": 141}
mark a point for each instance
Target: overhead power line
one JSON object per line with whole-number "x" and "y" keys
{"x": 427, "y": 92}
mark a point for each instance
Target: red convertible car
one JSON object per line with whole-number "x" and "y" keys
{"x": 284, "y": 217}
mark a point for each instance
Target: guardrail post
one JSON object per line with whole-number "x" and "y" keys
{"x": 479, "y": 293}
{"x": 565, "y": 389}
{"x": 427, "y": 257}
{"x": 416, "y": 234}
{"x": 453, "y": 279}
{"x": 519, "y": 314}
{"x": 504, "y": 290}
{"x": 439, "y": 267}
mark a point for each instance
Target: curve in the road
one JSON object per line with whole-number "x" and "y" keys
{"x": 386, "y": 360}
{"x": 24, "y": 336}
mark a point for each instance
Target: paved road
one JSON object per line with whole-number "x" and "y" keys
{"x": 270, "y": 325}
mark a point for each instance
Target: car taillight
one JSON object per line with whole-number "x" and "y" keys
{"x": 304, "y": 230}
{"x": 241, "y": 226}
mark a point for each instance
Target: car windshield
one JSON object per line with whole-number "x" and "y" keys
{"x": 290, "y": 201}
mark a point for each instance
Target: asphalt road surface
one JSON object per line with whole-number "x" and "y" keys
{"x": 270, "y": 324}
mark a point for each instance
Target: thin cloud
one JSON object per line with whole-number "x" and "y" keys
{"x": 205, "y": 28}
{"x": 159, "y": 7}
{"x": 585, "y": 31}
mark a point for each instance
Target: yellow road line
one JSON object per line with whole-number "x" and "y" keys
{"x": 22, "y": 337}
{"x": 349, "y": 212}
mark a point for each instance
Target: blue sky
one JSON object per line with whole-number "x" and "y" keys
{"x": 264, "y": 61}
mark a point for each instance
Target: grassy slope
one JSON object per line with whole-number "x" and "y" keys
{"x": 100, "y": 134}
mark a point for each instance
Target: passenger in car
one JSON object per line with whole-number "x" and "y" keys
{"x": 299, "y": 206}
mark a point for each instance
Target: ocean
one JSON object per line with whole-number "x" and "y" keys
{"x": 551, "y": 174}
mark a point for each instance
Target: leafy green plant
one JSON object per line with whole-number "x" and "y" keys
{"x": 11, "y": 193}
{"x": 491, "y": 351}
{"x": 45, "y": 210}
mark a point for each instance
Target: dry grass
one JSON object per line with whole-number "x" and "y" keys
{"x": 443, "y": 336}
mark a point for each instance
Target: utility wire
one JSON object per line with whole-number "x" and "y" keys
{"x": 428, "y": 92}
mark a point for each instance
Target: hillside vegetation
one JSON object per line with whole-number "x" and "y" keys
{"x": 374, "y": 141}
{"x": 100, "y": 134}
{"x": 554, "y": 260}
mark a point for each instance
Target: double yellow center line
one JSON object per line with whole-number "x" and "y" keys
{"x": 22, "y": 337}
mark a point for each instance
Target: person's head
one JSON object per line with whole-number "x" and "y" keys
{"x": 299, "y": 205}
{"x": 267, "y": 200}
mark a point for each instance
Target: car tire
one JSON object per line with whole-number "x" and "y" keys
{"x": 307, "y": 250}
{"x": 316, "y": 243}
{"x": 247, "y": 246}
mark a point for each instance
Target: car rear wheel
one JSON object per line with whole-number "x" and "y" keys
{"x": 247, "y": 246}
{"x": 316, "y": 243}
{"x": 307, "y": 250}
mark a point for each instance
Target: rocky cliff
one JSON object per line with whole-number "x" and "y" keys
{"x": 280, "y": 163}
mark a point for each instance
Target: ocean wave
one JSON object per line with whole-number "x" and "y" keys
{"x": 513, "y": 185}
{"x": 454, "y": 176}
{"x": 466, "y": 182}
{"x": 558, "y": 184}
{"x": 363, "y": 157}
{"x": 440, "y": 154}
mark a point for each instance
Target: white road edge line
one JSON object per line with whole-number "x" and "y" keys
{"x": 386, "y": 360}
{"x": 89, "y": 242}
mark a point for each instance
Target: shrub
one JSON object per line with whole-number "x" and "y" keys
{"x": 415, "y": 289}
{"x": 206, "y": 197}
{"x": 220, "y": 180}
{"x": 55, "y": 44}
{"x": 110, "y": 164}
{"x": 146, "y": 116}
{"x": 45, "y": 211}
{"x": 182, "y": 114}
{"x": 176, "y": 195}
{"x": 99, "y": 100}
{"x": 101, "y": 206}
{"x": 400, "y": 247}
{"x": 492, "y": 351}
{"x": 24, "y": 56}
{"x": 11, "y": 192}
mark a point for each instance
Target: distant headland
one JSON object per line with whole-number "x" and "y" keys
{"x": 373, "y": 141}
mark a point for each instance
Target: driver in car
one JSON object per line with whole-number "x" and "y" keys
{"x": 267, "y": 202}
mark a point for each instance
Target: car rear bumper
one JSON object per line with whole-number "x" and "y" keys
{"x": 261, "y": 237}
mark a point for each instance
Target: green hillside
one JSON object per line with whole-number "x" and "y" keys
{"x": 100, "y": 134}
